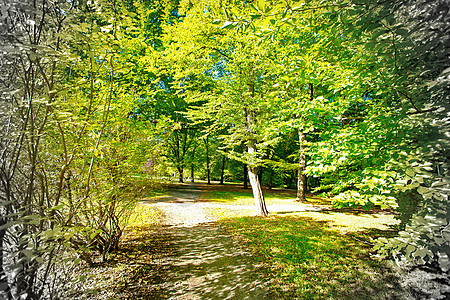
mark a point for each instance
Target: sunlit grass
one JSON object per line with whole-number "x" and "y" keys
{"x": 308, "y": 256}
{"x": 218, "y": 213}
{"x": 246, "y": 197}
{"x": 348, "y": 222}
{"x": 145, "y": 216}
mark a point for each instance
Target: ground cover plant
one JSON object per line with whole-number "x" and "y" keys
{"x": 307, "y": 258}
{"x": 236, "y": 195}
{"x": 323, "y": 254}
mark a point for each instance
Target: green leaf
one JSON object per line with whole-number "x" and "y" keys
{"x": 402, "y": 32}
{"x": 410, "y": 172}
{"x": 228, "y": 25}
{"x": 261, "y": 4}
{"x": 94, "y": 234}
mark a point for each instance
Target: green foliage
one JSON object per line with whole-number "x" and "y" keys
{"x": 94, "y": 89}
{"x": 72, "y": 148}
{"x": 388, "y": 126}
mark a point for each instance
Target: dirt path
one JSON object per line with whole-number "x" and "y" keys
{"x": 204, "y": 262}
{"x": 182, "y": 207}
{"x": 207, "y": 264}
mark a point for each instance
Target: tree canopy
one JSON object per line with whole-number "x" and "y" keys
{"x": 348, "y": 98}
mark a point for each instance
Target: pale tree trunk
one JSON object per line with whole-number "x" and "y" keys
{"x": 301, "y": 179}
{"x": 260, "y": 203}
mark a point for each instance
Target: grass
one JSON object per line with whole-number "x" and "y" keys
{"x": 309, "y": 259}
{"x": 240, "y": 196}
{"x": 313, "y": 255}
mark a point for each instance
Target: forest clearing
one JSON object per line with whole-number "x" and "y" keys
{"x": 199, "y": 241}
{"x": 224, "y": 149}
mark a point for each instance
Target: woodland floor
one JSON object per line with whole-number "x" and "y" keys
{"x": 187, "y": 255}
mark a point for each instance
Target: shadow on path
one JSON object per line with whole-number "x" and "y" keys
{"x": 198, "y": 259}
{"x": 206, "y": 263}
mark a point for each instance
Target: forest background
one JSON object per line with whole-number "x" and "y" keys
{"x": 102, "y": 99}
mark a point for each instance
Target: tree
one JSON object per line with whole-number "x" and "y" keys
{"x": 237, "y": 69}
{"x": 68, "y": 115}
{"x": 366, "y": 148}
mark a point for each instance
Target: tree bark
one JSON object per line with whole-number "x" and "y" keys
{"x": 301, "y": 179}
{"x": 260, "y": 203}
{"x": 180, "y": 174}
{"x": 222, "y": 171}
{"x": 207, "y": 160}
{"x": 245, "y": 176}
{"x": 4, "y": 285}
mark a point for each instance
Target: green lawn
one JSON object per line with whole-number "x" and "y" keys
{"x": 239, "y": 196}
{"x": 313, "y": 255}
{"x": 309, "y": 259}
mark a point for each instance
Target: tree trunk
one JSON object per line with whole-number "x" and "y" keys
{"x": 301, "y": 179}
{"x": 192, "y": 165}
{"x": 245, "y": 176}
{"x": 207, "y": 160}
{"x": 250, "y": 121}
{"x": 222, "y": 171}
{"x": 290, "y": 180}
{"x": 260, "y": 203}
{"x": 4, "y": 285}
{"x": 180, "y": 174}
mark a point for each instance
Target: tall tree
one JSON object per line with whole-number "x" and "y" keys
{"x": 386, "y": 125}
{"x": 237, "y": 68}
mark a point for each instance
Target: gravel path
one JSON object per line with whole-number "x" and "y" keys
{"x": 181, "y": 207}
{"x": 205, "y": 262}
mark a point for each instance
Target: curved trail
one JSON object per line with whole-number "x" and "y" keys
{"x": 182, "y": 207}
{"x": 204, "y": 262}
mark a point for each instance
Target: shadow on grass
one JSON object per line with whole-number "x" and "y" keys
{"x": 200, "y": 262}
{"x": 308, "y": 260}
{"x": 137, "y": 263}
{"x": 360, "y": 211}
